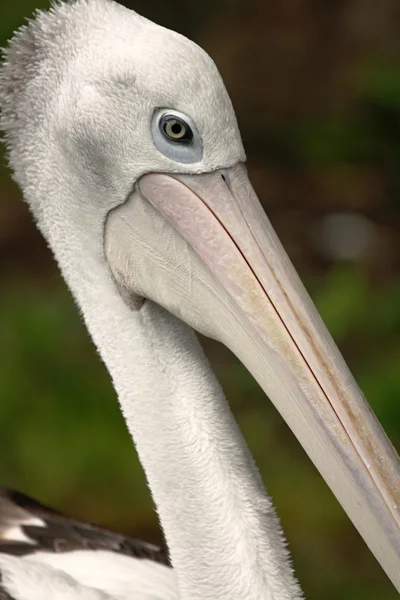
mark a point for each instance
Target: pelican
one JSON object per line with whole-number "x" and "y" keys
{"x": 125, "y": 144}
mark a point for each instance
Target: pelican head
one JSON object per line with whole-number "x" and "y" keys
{"x": 125, "y": 143}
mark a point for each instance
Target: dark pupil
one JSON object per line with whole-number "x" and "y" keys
{"x": 176, "y": 128}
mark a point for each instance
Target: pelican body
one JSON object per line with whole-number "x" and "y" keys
{"x": 125, "y": 144}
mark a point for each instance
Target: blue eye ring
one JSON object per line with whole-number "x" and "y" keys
{"x": 175, "y": 135}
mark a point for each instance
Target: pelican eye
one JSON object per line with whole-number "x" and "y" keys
{"x": 176, "y": 136}
{"x": 175, "y": 129}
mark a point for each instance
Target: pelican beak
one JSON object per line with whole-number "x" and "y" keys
{"x": 229, "y": 277}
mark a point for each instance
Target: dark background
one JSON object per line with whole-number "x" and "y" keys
{"x": 316, "y": 86}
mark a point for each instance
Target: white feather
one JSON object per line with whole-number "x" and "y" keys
{"x": 16, "y": 534}
{"x": 87, "y": 575}
{"x": 36, "y": 581}
{"x": 120, "y": 576}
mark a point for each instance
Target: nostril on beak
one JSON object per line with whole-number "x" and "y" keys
{"x": 225, "y": 177}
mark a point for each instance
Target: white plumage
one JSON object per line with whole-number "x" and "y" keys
{"x": 124, "y": 141}
{"x": 87, "y": 575}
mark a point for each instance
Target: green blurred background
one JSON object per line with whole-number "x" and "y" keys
{"x": 316, "y": 86}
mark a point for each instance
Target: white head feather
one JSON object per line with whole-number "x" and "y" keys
{"x": 78, "y": 89}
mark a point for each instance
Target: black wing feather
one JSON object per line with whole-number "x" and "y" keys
{"x": 60, "y": 533}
